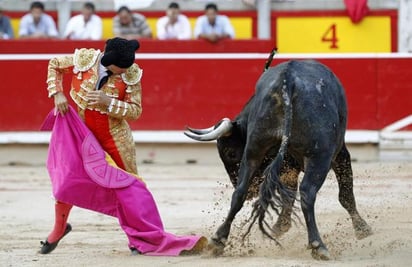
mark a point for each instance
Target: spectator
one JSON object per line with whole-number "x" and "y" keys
{"x": 213, "y": 27}
{"x": 130, "y": 25}
{"x": 174, "y": 25}
{"x": 85, "y": 26}
{"x": 37, "y": 24}
{"x": 6, "y": 31}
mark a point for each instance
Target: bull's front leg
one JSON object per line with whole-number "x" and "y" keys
{"x": 246, "y": 171}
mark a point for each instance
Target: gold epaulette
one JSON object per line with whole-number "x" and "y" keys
{"x": 85, "y": 58}
{"x": 132, "y": 75}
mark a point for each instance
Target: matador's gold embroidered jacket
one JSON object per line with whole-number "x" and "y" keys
{"x": 108, "y": 125}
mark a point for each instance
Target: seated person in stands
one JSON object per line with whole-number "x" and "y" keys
{"x": 85, "y": 26}
{"x": 6, "y": 31}
{"x": 130, "y": 25}
{"x": 212, "y": 26}
{"x": 174, "y": 25}
{"x": 37, "y": 24}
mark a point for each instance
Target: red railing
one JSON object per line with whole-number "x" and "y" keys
{"x": 198, "y": 83}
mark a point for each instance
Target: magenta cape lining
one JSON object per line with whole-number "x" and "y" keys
{"x": 82, "y": 176}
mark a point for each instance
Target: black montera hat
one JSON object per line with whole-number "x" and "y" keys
{"x": 120, "y": 52}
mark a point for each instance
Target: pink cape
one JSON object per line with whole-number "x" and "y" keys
{"x": 82, "y": 174}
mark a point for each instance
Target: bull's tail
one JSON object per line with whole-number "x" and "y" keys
{"x": 272, "y": 193}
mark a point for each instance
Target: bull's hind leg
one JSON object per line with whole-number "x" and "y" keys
{"x": 316, "y": 170}
{"x": 289, "y": 178}
{"x": 343, "y": 170}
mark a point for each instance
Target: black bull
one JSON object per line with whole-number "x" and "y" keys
{"x": 295, "y": 121}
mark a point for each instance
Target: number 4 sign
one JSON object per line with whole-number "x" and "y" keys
{"x": 331, "y": 36}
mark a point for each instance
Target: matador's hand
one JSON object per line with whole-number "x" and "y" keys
{"x": 98, "y": 98}
{"x": 61, "y": 103}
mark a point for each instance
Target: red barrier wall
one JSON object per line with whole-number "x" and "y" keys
{"x": 199, "y": 87}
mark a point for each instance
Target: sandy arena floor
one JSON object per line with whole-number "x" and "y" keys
{"x": 194, "y": 199}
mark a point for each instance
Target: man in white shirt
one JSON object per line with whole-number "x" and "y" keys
{"x": 37, "y": 24}
{"x": 85, "y": 26}
{"x": 174, "y": 25}
{"x": 213, "y": 27}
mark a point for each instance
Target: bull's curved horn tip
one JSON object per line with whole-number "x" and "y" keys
{"x": 190, "y": 128}
{"x": 200, "y": 131}
{"x": 193, "y": 136}
{"x": 188, "y": 134}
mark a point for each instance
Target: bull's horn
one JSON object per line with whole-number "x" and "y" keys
{"x": 224, "y": 127}
{"x": 201, "y": 131}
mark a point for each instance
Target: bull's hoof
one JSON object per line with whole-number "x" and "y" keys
{"x": 216, "y": 246}
{"x": 319, "y": 252}
{"x": 362, "y": 230}
{"x": 281, "y": 226}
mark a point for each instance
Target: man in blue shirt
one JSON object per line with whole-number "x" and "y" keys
{"x": 6, "y": 31}
{"x": 37, "y": 24}
{"x": 213, "y": 27}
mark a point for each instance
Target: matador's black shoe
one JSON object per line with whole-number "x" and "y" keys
{"x": 47, "y": 247}
{"x": 134, "y": 251}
